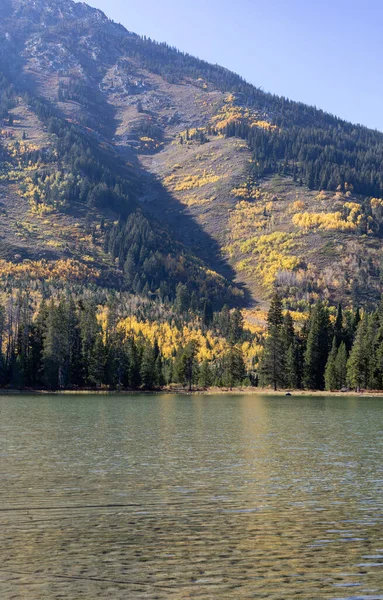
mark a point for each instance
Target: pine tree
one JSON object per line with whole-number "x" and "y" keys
{"x": 96, "y": 362}
{"x": 186, "y": 365}
{"x": 357, "y": 319}
{"x": 205, "y": 375}
{"x": 159, "y": 379}
{"x": 331, "y": 375}
{"x": 341, "y": 365}
{"x": 288, "y": 332}
{"x": 275, "y": 314}
{"x": 234, "y": 369}
{"x": 55, "y": 347}
{"x": 90, "y": 332}
{"x": 317, "y": 348}
{"x": 148, "y": 364}
{"x": 338, "y": 326}
{"x": 272, "y": 367}
{"x": 207, "y": 316}
{"x": 182, "y": 299}
{"x": 236, "y": 326}
{"x": 292, "y": 366}
{"x": 358, "y": 360}
{"x": 134, "y": 376}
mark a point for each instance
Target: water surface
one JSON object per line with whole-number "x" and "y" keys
{"x": 191, "y": 497}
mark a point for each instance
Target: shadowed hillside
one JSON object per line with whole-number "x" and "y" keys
{"x": 140, "y": 167}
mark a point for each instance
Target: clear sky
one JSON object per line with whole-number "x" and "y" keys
{"x": 327, "y": 53}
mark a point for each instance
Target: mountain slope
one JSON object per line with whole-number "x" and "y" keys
{"x": 100, "y": 123}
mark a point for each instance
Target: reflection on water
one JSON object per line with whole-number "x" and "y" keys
{"x": 191, "y": 497}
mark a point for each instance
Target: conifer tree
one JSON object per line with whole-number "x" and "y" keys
{"x": 272, "y": 368}
{"x": 236, "y": 326}
{"x": 148, "y": 366}
{"x": 159, "y": 379}
{"x": 317, "y": 348}
{"x": 331, "y": 375}
{"x": 341, "y": 365}
{"x": 205, "y": 375}
{"x": 338, "y": 326}
{"x": 292, "y": 366}
{"x": 357, "y": 366}
{"x": 134, "y": 376}
{"x": 186, "y": 365}
{"x": 96, "y": 362}
{"x": 288, "y": 332}
{"x": 234, "y": 369}
{"x": 207, "y": 316}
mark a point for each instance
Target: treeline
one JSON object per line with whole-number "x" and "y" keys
{"x": 321, "y": 156}
{"x": 95, "y": 175}
{"x": 324, "y": 354}
{"x": 316, "y": 148}
{"x": 81, "y": 171}
{"x": 69, "y": 344}
{"x": 153, "y": 263}
{"x": 74, "y": 343}
{"x": 7, "y": 97}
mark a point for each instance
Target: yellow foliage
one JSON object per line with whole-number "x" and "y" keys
{"x": 247, "y": 192}
{"x": 148, "y": 143}
{"x": 193, "y": 200}
{"x": 296, "y": 206}
{"x": 352, "y": 205}
{"x": 376, "y": 202}
{"x": 355, "y": 211}
{"x": 327, "y": 221}
{"x": 272, "y": 253}
{"x": 278, "y": 239}
{"x": 246, "y": 217}
{"x": 230, "y": 113}
{"x": 67, "y": 270}
{"x": 54, "y": 244}
{"x": 321, "y": 196}
{"x": 170, "y": 338}
{"x": 190, "y": 182}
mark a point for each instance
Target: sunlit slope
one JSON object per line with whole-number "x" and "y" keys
{"x": 99, "y": 124}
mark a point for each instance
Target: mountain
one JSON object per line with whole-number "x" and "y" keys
{"x": 126, "y": 163}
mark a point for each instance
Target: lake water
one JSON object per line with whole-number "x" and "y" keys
{"x": 226, "y": 497}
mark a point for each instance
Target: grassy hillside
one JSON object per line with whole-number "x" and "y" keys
{"x": 127, "y": 163}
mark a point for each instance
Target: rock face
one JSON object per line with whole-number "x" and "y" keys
{"x": 176, "y": 129}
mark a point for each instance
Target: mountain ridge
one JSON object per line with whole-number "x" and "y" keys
{"x": 265, "y": 191}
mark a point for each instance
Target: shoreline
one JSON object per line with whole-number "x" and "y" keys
{"x": 213, "y": 391}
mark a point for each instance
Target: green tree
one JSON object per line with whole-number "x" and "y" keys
{"x": 186, "y": 365}
{"x": 96, "y": 362}
{"x": 292, "y": 366}
{"x": 331, "y": 374}
{"x": 272, "y": 368}
{"x": 234, "y": 370}
{"x": 207, "y": 315}
{"x": 338, "y": 326}
{"x": 341, "y": 365}
{"x": 205, "y": 375}
{"x": 148, "y": 366}
{"x": 236, "y": 326}
{"x": 357, "y": 365}
{"x": 317, "y": 347}
{"x": 182, "y": 299}
{"x": 134, "y": 364}
{"x": 275, "y": 314}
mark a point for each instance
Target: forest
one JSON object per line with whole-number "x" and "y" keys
{"x": 137, "y": 309}
{"x": 109, "y": 341}
{"x": 316, "y": 148}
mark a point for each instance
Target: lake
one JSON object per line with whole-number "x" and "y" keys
{"x": 161, "y": 496}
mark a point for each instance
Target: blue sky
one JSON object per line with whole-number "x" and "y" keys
{"x": 328, "y": 53}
